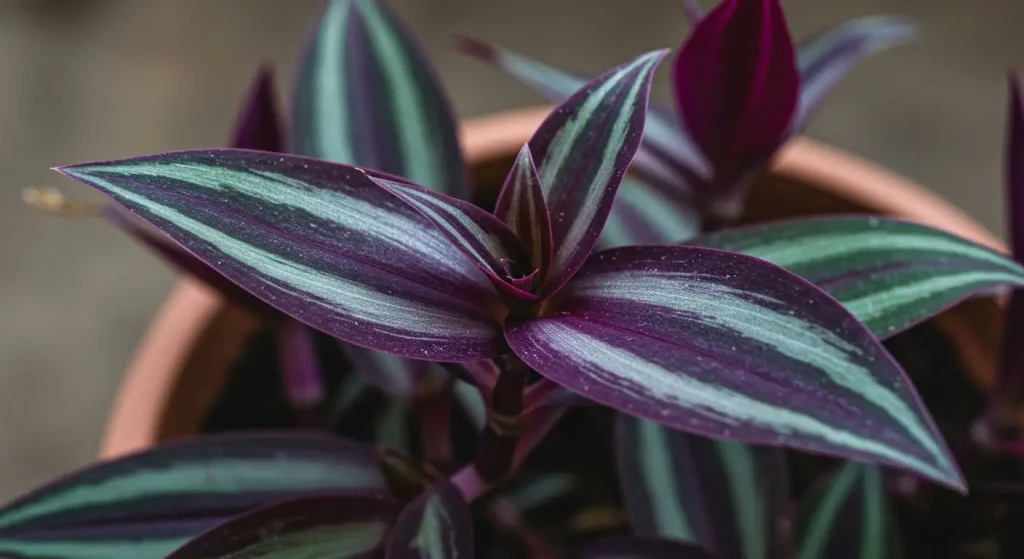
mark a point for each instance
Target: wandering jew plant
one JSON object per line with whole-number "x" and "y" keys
{"x": 579, "y": 309}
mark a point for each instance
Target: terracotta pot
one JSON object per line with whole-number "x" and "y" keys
{"x": 184, "y": 359}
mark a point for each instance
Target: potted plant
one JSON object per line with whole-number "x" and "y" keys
{"x": 500, "y": 372}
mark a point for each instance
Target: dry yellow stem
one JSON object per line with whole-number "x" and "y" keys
{"x": 51, "y": 200}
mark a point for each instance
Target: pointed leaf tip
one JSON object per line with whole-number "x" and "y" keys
{"x": 259, "y": 123}
{"x": 368, "y": 95}
{"x": 321, "y": 242}
{"x": 582, "y": 152}
{"x": 522, "y": 207}
{"x": 726, "y": 345}
{"x": 736, "y": 83}
{"x": 827, "y": 58}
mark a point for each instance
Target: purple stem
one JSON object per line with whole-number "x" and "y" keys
{"x": 433, "y": 410}
{"x": 499, "y": 439}
{"x": 300, "y": 370}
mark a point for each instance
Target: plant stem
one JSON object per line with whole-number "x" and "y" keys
{"x": 499, "y": 439}
{"x": 433, "y": 412}
{"x": 300, "y": 372}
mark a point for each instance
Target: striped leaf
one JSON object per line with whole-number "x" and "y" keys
{"x": 891, "y": 274}
{"x": 827, "y": 58}
{"x": 483, "y": 238}
{"x": 847, "y": 518}
{"x": 522, "y": 207}
{"x": 367, "y": 95}
{"x": 437, "y": 525}
{"x": 144, "y": 505}
{"x": 726, "y": 345}
{"x": 667, "y": 153}
{"x": 319, "y": 241}
{"x": 334, "y": 526}
{"x": 152, "y": 539}
{"x": 582, "y": 151}
{"x": 646, "y": 215}
{"x": 258, "y": 125}
{"x": 725, "y": 496}
{"x": 655, "y": 204}
{"x": 639, "y": 548}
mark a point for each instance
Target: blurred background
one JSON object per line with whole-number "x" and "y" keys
{"x": 84, "y": 80}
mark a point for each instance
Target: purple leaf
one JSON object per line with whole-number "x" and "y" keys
{"x": 827, "y": 58}
{"x": 736, "y": 84}
{"x": 583, "y": 150}
{"x": 437, "y": 525}
{"x": 321, "y": 242}
{"x": 723, "y": 495}
{"x": 336, "y": 526}
{"x": 639, "y": 548}
{"x": 157, "y": 498}
{"x": 366, "y": 95}
{"x": 655, "y": 204}
{"x": 259, "y": 123}
{"x": 483, "y": 238}
{"x": 726, "y": 345}
{"x": 847, "y": 517}
{"x": 522, "y": 207}
{"x": 891, "y": 274}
